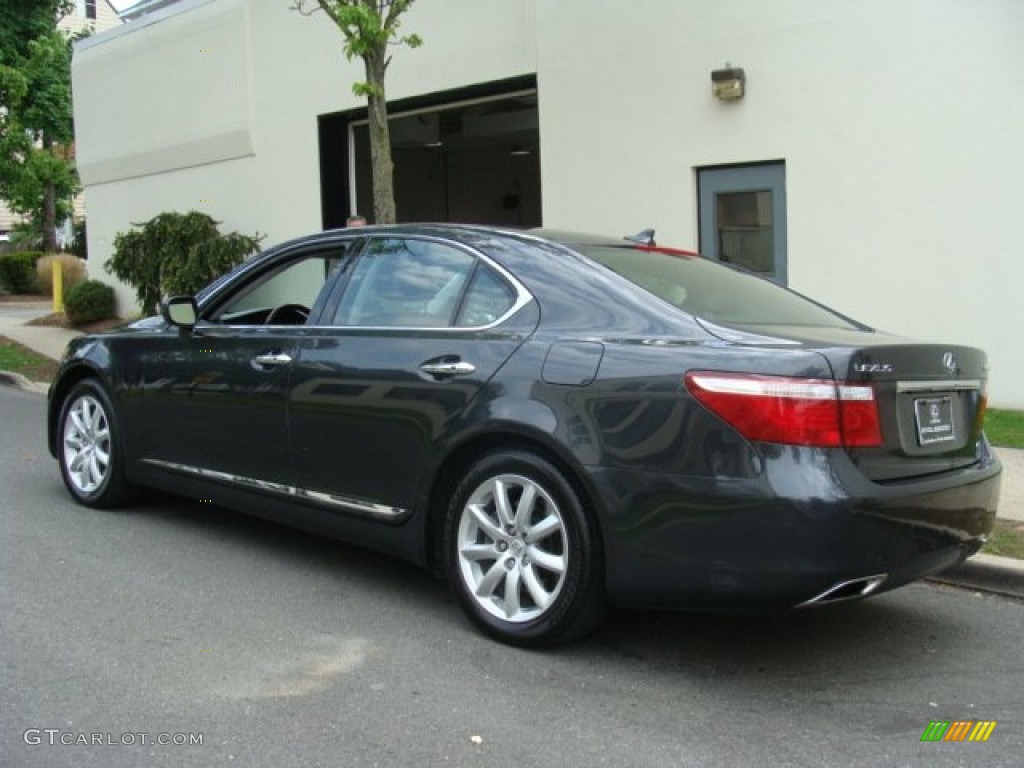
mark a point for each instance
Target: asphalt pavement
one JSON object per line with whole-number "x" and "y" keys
{"x": 174, "y": 633}
{"x": 1001, "y": 575}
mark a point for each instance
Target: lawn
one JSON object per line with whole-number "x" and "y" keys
{"x": 1007, "y": 539}
{"x": 1005, "y": 428}
{"x": 18, "y": 359}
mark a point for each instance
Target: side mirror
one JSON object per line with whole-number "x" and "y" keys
{"x": 180, "y": 311}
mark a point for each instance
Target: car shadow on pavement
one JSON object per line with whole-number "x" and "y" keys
{"x": 284, "y": 545}
{"x": 894, "y": 631}
{"x": 887, "y": 636}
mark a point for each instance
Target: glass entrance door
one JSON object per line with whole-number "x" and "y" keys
{"x": 743, "y": 217}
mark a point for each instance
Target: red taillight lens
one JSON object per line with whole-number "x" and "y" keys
{"x": 777, "y": 409}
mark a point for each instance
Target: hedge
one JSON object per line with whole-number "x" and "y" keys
{"x": 18, "y": 271}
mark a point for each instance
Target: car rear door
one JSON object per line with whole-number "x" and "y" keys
{"x": 414, "y": 335}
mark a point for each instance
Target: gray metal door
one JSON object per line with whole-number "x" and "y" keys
{"x": 743, "y": 217}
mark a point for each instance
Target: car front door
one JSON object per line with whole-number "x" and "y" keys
{"x": 216, "y": 397}
{"x": 417, "y": 332}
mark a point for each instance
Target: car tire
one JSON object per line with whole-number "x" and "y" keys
{"x": 521, "y": 553}
{"x": 89, "y": 448}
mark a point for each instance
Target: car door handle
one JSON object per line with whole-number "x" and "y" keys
{"x": 272, "y": 359}
{"x": 453, "y": 368}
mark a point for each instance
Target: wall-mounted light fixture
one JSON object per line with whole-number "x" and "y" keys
{"x": 728, "y": 84}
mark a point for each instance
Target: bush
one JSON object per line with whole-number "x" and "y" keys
{"x": 18, "y": 271}
{"x": 176, "y": 253}
{"x": 71, "y": 267}
{"x": 88, "y": 302}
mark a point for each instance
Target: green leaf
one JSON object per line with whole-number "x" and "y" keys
{"x": 366, "y": 89}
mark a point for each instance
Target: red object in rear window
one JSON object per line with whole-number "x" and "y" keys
{"x": 793, "y": 411}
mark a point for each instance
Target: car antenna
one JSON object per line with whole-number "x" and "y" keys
{"x": 643, "y": 237}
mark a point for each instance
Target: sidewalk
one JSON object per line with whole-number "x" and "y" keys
{"x": 1002, "y": 575}
{"x": 45, "y": 340}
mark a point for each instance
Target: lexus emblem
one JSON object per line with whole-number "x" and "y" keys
{"x": 949, "y": 362}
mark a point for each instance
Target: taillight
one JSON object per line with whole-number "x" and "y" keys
{"x": 979, "y": 416}
{"x": 778, "y": 409}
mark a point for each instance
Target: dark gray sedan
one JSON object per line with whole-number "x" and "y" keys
{"x": 555, "y": 422}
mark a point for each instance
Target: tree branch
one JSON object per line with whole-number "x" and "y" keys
{"x": 299, "y": 5}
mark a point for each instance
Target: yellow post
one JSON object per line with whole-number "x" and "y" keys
{"x": 58, "y": 286}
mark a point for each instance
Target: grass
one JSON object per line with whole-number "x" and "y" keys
{"x": 1005, "y": 428}
{"x": 19, "y": 359}
{"x": 1007, "y": 540}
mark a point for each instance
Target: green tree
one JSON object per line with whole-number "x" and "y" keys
{"x": 37, "y": 176}
{"x": 175, "y": 253}
{"x": 369, "y": 28}
{"x": 22, "y": 21}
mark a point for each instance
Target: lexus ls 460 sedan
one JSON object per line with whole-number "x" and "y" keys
{"x": 554, "y": 422}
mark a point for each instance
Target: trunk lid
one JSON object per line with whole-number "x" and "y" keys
{"x": 931, "y": 397}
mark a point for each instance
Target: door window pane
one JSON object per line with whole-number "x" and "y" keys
{"x": 745, "y": 231}
{"x": 283, "y": 296}
{"x": 405, "y": 283}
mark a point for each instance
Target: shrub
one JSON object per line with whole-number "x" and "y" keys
{"x": 88, "y": 302}
{"x": 72, "y": 268}
{"x": 176, "y": 253}
{"x": 18, "y": 271}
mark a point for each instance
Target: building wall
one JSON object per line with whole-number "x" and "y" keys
{"x": 897, "y": 120}
{"x": 212, "y": 105}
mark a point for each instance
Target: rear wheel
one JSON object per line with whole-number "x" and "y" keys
{"x": 521, "y": 554}
{"x": 89, "y": 448}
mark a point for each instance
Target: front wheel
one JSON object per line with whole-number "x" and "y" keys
{"x": 521, "y": 553}
{"x": 89, "y": 449}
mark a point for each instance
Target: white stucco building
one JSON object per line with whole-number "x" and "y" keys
{"x": 874, "y": 161}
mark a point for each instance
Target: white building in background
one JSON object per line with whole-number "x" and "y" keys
{"x": 873, "y": 162}
{"x": 93, "y": 15}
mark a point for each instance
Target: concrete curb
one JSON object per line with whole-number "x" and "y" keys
{"x": 986, "y": 573}
{"x": 11, "y": 379}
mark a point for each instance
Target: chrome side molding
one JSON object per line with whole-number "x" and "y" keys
{"x": 360, "y": 507}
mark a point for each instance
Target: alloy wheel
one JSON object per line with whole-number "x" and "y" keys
{"x": 87, "y": 445}
{"x": 513, "y": 551}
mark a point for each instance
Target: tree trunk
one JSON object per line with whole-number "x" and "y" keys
{"x": 380, "y": 142}
{"x": 49, "y": 207}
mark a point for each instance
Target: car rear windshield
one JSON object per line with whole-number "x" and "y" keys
{"x": 711, "y": 291}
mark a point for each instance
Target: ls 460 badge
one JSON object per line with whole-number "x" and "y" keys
{"x": 873, "y": 367}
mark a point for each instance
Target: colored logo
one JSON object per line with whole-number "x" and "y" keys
{"x": 959, "y": 730}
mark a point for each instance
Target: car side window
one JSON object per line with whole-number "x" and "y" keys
{"x": 405, "y": 283}
{"x": 284, "y": 296}
{"x": 488, "y": 298}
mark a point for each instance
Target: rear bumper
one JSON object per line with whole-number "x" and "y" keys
{"x": 809, "y": 522}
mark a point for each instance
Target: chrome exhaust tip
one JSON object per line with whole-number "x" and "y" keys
{"x": 847, "y": 590}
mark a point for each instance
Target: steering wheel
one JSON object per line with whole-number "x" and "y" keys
{"x": 288, "y": 314}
